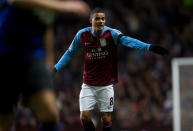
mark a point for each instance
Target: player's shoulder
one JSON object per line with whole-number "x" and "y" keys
{"x": 112, "y": 30}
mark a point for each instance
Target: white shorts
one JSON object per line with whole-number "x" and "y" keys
{"x": 102, "y": 95}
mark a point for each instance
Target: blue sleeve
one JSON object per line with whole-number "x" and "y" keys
{"x": 134, "y": 43}
{"x": 115, "y": 34}
{"x": 127, "y": 41}
{"x": 72, "y": 50}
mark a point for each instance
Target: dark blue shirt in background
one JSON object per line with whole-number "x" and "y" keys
{"x": 21, "y": 33}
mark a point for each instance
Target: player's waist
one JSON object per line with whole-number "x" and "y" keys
{"x": 100, "y": 80}
{"x": 95, "y": 86}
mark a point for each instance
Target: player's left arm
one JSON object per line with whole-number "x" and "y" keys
{"x": 137, "y": 44}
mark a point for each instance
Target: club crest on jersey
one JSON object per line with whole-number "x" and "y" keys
{"x": 103, "y": 42}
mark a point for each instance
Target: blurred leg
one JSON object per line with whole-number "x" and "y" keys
{"x": 44, "y": 104}
{"x": 40, "y": 94}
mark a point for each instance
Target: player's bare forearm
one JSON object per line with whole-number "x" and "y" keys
{"x": 79, "y": 8}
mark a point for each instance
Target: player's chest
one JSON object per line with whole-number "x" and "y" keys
{"x": 103, "y": 42}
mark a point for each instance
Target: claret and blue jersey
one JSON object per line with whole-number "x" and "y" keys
{"x": 100, "y": 54}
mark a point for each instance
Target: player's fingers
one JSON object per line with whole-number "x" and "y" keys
{"x": 79, "y": 8}
{"x": 84, "y": 9}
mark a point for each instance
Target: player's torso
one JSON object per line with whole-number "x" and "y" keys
{"x": 100, "y": 58}
{"x": 20, "y": 32}
{"x": 98, "y": 48}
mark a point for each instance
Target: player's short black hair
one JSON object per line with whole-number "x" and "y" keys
{"x": 96, "y": 10}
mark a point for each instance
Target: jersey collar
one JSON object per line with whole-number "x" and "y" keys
{"x": 95, "y": 35}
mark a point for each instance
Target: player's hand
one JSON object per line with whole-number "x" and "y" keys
{"x": 79, "y": 8}
{"x": 159, "y": 50}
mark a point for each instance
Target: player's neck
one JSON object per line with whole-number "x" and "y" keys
{"x": 97, "y": 32}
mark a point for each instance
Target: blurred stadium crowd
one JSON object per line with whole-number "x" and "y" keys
{"x": 143, "y": 98}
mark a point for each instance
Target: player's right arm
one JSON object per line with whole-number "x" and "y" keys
{"x": 79, "y": 8}
{"x": 72, "y": 50}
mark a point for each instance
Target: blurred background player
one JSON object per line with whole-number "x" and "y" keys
{"x": 100, "y": 74}
{"x": 22, "y": 54}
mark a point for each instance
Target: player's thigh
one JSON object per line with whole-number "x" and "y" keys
{"x": 44, "y": 103}
{"x": 87, "y": 98}
{"x": 105, "y": 99}
{"x": 39, "y": 90}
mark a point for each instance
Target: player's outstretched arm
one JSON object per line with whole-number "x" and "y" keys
{"x": 159, "y": 50}
{"x": 79, "y": 7}
{"x": 137, "y": 44}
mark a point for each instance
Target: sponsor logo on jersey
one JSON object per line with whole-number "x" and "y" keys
{"x": 103, "y": 42}
{"x": 97, "y": 53}
{"x": 99, "y": 49}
